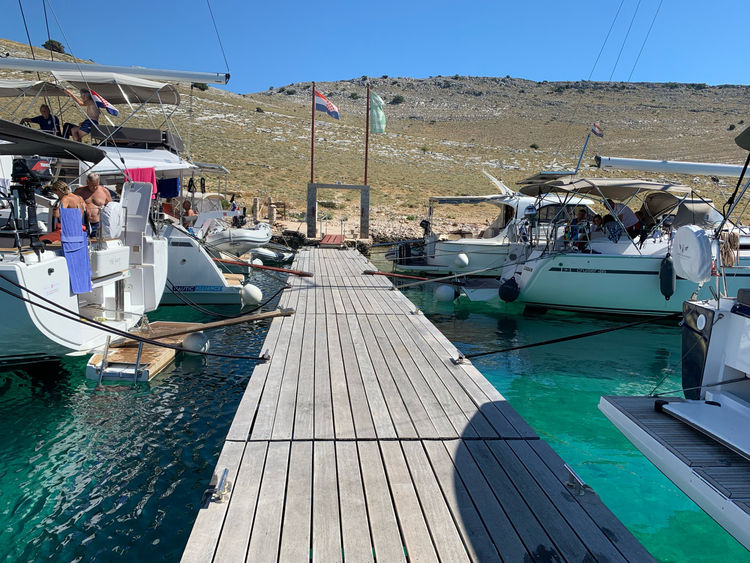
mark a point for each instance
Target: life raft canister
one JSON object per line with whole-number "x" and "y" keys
{"x": 509, "y": 290}
{"x": 667, "y": 277}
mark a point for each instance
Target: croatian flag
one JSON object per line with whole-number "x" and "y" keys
{"x": 102, "y": 103}
{"x": 322, "y": 104}
{"x": 596, "y": 130}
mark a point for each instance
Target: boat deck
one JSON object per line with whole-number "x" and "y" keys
{"x": 360, "y": 439}
{"x": 718, "y": 465}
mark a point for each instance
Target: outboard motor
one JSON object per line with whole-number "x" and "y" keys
{"x": 509, "y": 290}
{"x": 530, "y": 215}
{"x": 27, "y": 176}
{"x": 667, "y": 277}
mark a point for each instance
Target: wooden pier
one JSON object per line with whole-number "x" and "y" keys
{"x": 360, "y": 439}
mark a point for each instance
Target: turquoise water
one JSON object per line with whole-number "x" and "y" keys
{"x": 556, "y": 389}
{"x": 116, "y": 474}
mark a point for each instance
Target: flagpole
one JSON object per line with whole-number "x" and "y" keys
{"x": 312, "y": 138}
{"x": 367, "y": 130}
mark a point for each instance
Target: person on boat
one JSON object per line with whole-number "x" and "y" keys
{"x": 578, "y": 228}
{"x": 46, "y": 121}
{"x": 67, "y": 199}
{"x": 92, "y": 111}
{"x": 597, "y": 224}
{"x": 624, "y": 214}
{"x": 96, "y": 196}
{"x": 188, "y": 211}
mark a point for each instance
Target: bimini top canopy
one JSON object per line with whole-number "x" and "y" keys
{"x": 120, "y": 88}
{"x": 16, "y": 88}
{"x": 18, "y": 140}
{"x": 165, "y": 163}
{"x": 618, "y": 189}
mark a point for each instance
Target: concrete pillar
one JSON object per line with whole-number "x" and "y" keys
{"x": 272, "y": 214}
{"x": 312, "y": 210}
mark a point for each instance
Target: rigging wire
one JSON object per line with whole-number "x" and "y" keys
{"x": 625, "y": 40}
{"x": 221, "y": 46}
{"x": 612, "y": 25}
{"x": 645, "y": 39}
{"x": 26, "y": 27}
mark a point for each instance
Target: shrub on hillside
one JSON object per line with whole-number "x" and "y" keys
{"x": 202, "y": 86}
{"x": 259, "y": 109}
{"x": 397, "y": 99}
{"x": 52, "y": 45}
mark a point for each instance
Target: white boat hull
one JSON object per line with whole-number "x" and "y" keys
{"x": 622, "y": 284}
{"x": 193, "y": 274}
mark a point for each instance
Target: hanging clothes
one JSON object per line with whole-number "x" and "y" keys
{"x": 75, "y": 245}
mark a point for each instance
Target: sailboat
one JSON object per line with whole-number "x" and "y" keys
{"x": 45, "y": 314}
{"x": 700, "y": 440}
{"x": 611, "y": 270}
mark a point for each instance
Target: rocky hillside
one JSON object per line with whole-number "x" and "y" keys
{"x": 442, "y": 131}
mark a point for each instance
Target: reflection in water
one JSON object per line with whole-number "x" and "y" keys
{"x": 116, "y": 471}
{"x": 556, "y": 388}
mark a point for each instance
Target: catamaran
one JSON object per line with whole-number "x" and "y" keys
{"x": 61, "y": 296}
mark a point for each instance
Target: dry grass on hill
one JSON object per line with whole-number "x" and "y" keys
{"x": 445, "y": 131}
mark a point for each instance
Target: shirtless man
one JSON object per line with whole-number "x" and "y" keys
{"x": 96, "y": 197}
{"x": 92, "y": 111}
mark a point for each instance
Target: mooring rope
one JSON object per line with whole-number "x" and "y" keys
{"x": 573, "y": 337}
{"x": 82, "y": 319}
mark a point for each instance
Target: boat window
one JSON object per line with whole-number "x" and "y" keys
{"x": 556, "y": 212}
{"x": 500, "y": 222}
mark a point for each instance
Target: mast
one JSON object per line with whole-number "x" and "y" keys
{"x": 155, "y": 74}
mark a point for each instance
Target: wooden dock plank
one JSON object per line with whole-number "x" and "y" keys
{"x": 326, "y": 528}
{"x": 354, "y": 345}
{"x": 348, "y": 406}
{"x": 355, "y": 527}
{"x": 386, "y": 538}
{"x": 239, "y": 521}
{"x": 323, "y": 408}
{"x": 266, "y": 533}
{"x": 445, "y": 535}
{"x": 413, "y": 526}
{"x": 304, "y": 413}
{"x": 295, "y": 539}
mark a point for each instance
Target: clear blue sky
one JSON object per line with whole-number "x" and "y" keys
{"x": 279, "y": 42}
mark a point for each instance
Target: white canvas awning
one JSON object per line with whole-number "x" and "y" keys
{"x": 16, "y": 88}
{"x": 167, "y": 164}
{"x": 121, "y": 88}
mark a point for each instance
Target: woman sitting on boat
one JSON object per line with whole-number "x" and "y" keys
{"x": 578, "y": 228}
